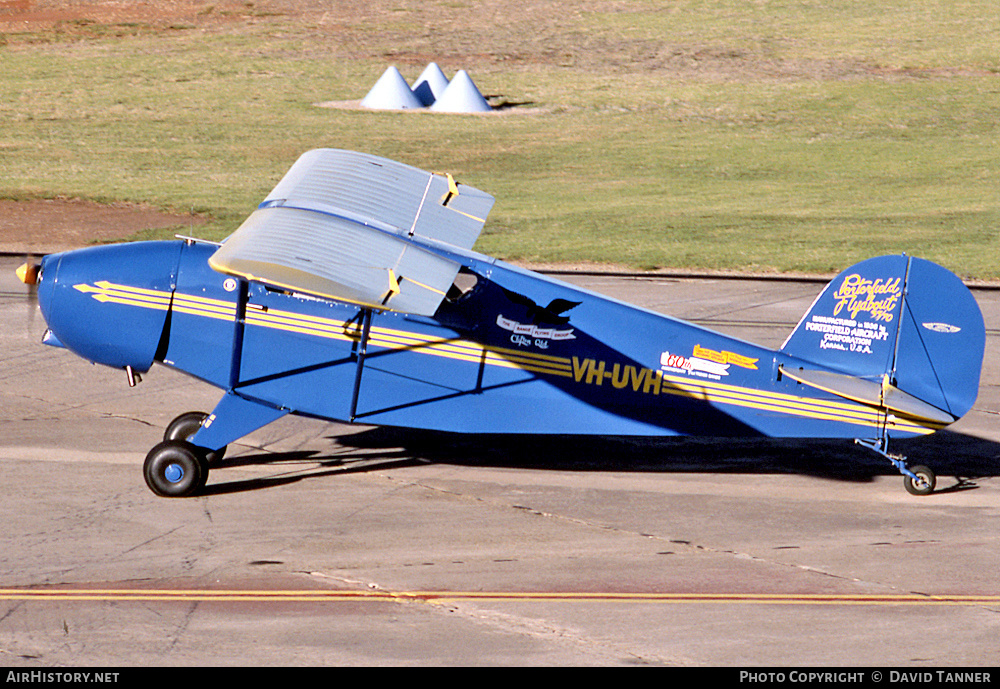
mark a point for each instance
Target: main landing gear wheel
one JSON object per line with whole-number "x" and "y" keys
{"x": 175, "y": 469}
{"x": 924, "y": 482}
{"x": 186, "y": 425}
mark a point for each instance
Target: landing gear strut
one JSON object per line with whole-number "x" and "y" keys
{"x": 186, "y": 425}
{"x": 918, "y": 480}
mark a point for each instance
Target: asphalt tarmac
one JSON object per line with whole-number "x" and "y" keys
{"x": 325, "y": 544}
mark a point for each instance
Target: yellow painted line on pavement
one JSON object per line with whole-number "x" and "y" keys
{"x": 375, "y": 595}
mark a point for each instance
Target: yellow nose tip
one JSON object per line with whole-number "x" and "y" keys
{"x": 27, "y": 273}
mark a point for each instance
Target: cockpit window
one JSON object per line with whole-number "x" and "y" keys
{"x": 465, "y": 283}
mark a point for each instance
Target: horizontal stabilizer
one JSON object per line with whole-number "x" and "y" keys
{"x": 348, "y": 226}
{"x": 881, "y": 395}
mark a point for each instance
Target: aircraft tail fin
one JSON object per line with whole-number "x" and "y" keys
{"x": 903, "y": 322}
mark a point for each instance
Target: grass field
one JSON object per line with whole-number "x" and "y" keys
{"x": 784, "y": 135}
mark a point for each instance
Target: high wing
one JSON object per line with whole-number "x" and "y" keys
{"x": 358, "y": 228}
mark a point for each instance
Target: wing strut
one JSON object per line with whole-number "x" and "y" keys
{"x": 362, "y": 351}
{"x": 239, "y": 325}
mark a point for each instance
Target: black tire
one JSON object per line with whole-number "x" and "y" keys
{"x": 175, "y": 469}
{"x": 924, "y": 485}
{"x": 186, "y": 425}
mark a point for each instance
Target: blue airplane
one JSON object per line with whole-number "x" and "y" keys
{"x": 352, "y": 294}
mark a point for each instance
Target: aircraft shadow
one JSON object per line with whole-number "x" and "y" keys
{"x": 959, "y": 460}
{"x": 299, "y": 466}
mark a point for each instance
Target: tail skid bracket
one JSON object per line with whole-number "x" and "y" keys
{"x": 881, "y": 446}
{"x": 918, "y": 480}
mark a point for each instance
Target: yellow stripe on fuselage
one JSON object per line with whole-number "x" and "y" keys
{"x": 289, "y": 321}
{"x": 465, "y": 350}
{"x": 792, "y": 405}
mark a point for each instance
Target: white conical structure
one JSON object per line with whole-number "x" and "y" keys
{"x": 461, "y": 96}
{"x": 391, "y": 92}
{"x": 430, "y": 84}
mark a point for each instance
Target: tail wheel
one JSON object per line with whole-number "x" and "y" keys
{"x": 185, "y": 426}
{"x": 924, "y": 482}
{"x": 175, "y": 469}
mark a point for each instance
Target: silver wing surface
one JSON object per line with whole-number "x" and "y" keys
{"x": 358, "y": 228}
